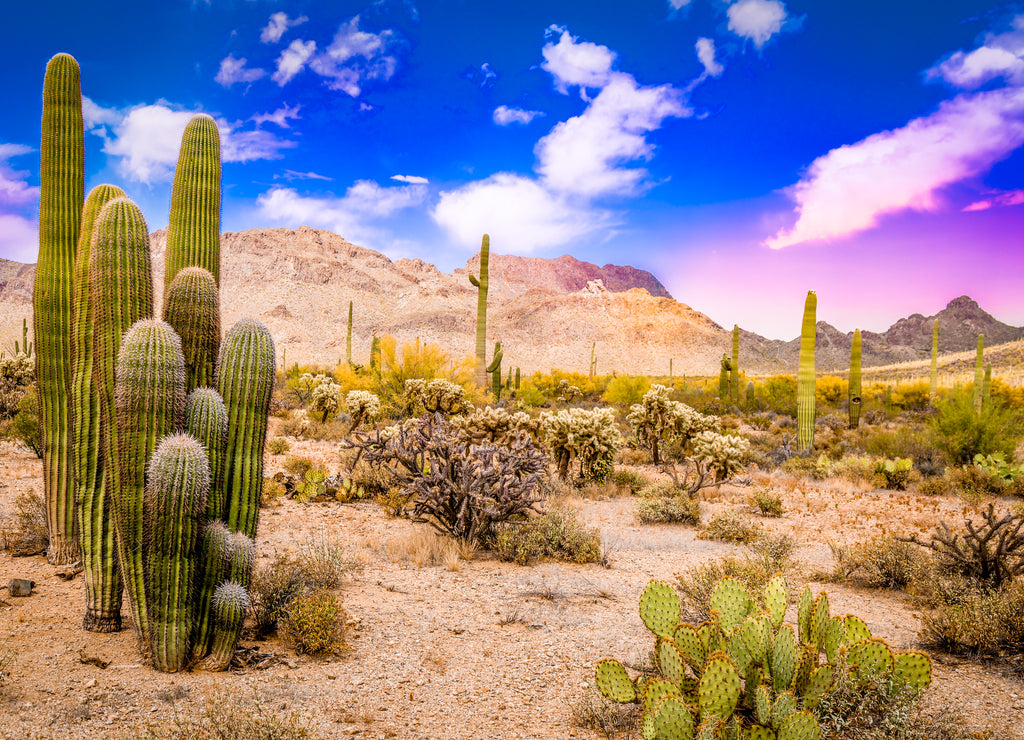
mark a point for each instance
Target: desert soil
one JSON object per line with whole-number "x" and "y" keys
{"x": 484, "y": 649}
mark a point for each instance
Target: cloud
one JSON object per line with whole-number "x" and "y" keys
{"x": 586, "y": 154}
{"x": 279, "y": 116}
{"x": 19, "y": 234}
{"x": 293, "y": 175}
{"x": 95, "y": 117}
{"x": 488, "y": 75}
{"x": 293, "y": 60}
{"x": 849, "y": 188}
{"x": 757, "y": 20}
{"x": 503, "y": 115}
{"x": 352, "y": 215}
{"x": 146, "y": 138}
{"x": 999, "y": 200}
{"x": 14, "y": 188}
{"x": 19, "y": 238}
{"x": 516, "y": 211}
{"x": 279, "y": 23}
{"x": 706, "y": 55}
{"x": 355, "y": 56}
{"x": 678, "y": 4}
{"x": 572, "y": 62}
{"x": 1001, "y": 55}
{"x": 411, "y": 179}
{"x": 233, "y": 70}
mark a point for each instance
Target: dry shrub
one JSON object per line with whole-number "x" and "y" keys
{"x": 593, "y": 712}
{"x": 423, "y": 548}
{"x": 314, "y": 623}
{"x": 767, "y": 503}
{"x": 728, "y": 527}
{"x": 297, "y": 465}
{"x": 629, "y": 479}
{"x": 975, "y": 621}
{"x": 556, "y": 534}
{"x": 226, "y": 717}
{"x": 669, "y": 510}
{"x": 880, "y": 562}
{"x": 25, "y": 533}
{"x": 278, "y": 446}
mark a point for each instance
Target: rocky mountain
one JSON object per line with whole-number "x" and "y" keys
{"x": 548, "y": 313}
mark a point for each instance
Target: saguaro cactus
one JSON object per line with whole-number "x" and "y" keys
{"x": 933, "y": 383}
{"x": 230, "y": 603}
{"x": 494, "y": 369}
{"x": 734, "y": 366}
{"x": 723, "y": 379}
{"x": 979, "y": 373}
{"x": 193, "y": 234}
{"x": 225, "y": 556}
{"x": 192, "y": 308}
{"x": 245, "y": 378}
{"x": 348, "y": 338}
{"x": 481, "y": 284}
{"x": 986, "y": 387}
{"x": 805, "y": 377}
{"x": 61, "y": 195}
{"x": 855, "y": 400}
{"x": 206, "y": 419}
{"x": 174, "y": 512}
{"x": 150, "y": 399}
{"x": 375, "y": 353}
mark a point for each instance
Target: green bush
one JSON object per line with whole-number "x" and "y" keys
{"x": 556, "y": 534}
{"x": 728, "y": 527}
{"x": 961, "y": 432}
{"x": 25, "y": 425}
{"x": 625, "y": 390}
{"x": 314, "y": 623}
{"x": 677, "y": 509}
{"x": 767, "y": 503}
{"x": 630, "y": 479}
{"x": 894, "y": 475}
{"x": 278, "y": 446}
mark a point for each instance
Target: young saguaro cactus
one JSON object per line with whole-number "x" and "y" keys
{"x": 229, "y": 604}
{"x": 495, "y": 371}
{"x": 979, "y": 373}
{"x": 224, "y": 556}
{"x": 855, "y": 389}
{"x": 734, "y": 366}
{"x": 805, "y": 377}
{"x": 192, "y": 308}
{"x": 193, "y": 233}
{"x": 174, "y": 509}
{"x": 933, "y": 381}
{"x": 61, "y": 195}
{"x": 481, "y": 284}
{"x": 150, "y": 400}
{"x": 348, "y": 337}
{"x": 245, "y": 379}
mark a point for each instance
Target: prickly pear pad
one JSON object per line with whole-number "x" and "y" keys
{"x": 659, "y": 608}
{"x": 613, "y": 682}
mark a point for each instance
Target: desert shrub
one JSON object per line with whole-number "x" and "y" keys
{"x": 911, "y": 396}
{"x": 610, "y": 719}
{"x": 589, "y": 437}
{"x": 761, "y": 421}
{"x": 880, "y": 562}
{"x": 625, "y": 390}
{"x": 632, "y": 456}
{"x": 25, "y": 533}
{"x": 767, "y": 503}
{"x": 728, "y": 527}
{"x": 937, "y": 485}
{"x": 273, "y": 490}
{"x": 556, "y": 534}
{"x": 855, "y": 469}
{"x": 803, "y": 467}
{"x": 677, "y": 509}
{"x": 961, "y": 432}
{"x": 908, "y": 441}
{"x": 25, "y": 424}
{"x": 829, "y": 390}
{"x": 17, "y": 374}
{"x": 425, "y": 361}
{"x": 778, "y": 394}
{"x": 460, "y": 491}
{"x": 314, "y": 623}
{"x": 278, "y": 446}
{"x": 970, "y": 620}
{"x": 630, "y": 479}
{"x": 894, "y": 475}
{"x": 696, "y": 584}
{"x": 224, "y": 717}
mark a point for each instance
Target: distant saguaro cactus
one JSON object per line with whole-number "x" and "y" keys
{"x": 193, "y": 233}
{"x": 61, "y": 195}
{"x": 979, "y": 373}
{"x": 723, "y": 379}
{"x": 734, "y": 366}
{"x": 805, "y": 379}
{"x": 348, "y": 337}
{"x": 933, "y": 382}
{"x": 855, "y": 391}
{"x": 495, "y": 371}
{"x": 481, "y": 284}
{"x": 986, "y": 387}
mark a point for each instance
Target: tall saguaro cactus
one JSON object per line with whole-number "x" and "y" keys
{"x": 348, "y": 337}
{"x": 193, "y": 234}
{"x": 61, "y": 195}
{"x": 933, "y": 381}
{"x": 734, "y": 366}
{"x": 150, "y": 401}
{"x": 855, "y": 390}
{"x": 481, "y": 284}
{"x": 979, "y": 373}
{"x": 192, "y": 308}
{"x": 805, "y": 376}
{"x": 245, "y": 378}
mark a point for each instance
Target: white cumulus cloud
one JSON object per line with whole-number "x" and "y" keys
{"x": 411, "y": 179}
{"x": 355, "y": 56}
{"x": 757, "y": 20}
{"x": 234, "y": 70}
{"x": 19, "y": 238}
{"x": 573, "y": 62}
{"x": 19, "y": 233}
{"x": 279, "y": 23}
{"x": 503, "y": 115}
{"x": 706, "y": 54}
{"x": 278, "y": 117}
{"x": 293, "y": 60}
{"x": 14, "y": 188}
{"x": 1001, "y": 55}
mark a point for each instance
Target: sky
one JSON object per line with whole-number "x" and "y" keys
{"x": 743, "y": 151}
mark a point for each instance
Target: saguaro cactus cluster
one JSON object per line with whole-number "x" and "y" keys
{"x": 481, "y": 284}
{"x": 155, "y": 478}
{"x": 805, "y": 377}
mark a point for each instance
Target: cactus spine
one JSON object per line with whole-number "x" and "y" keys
{"x": 192, "y": 308}
{"x": 979, "y": 373}
{"x": 734, "y": 366}
{"x": 805, "y": 378}
{"x": 95, "y": 527}
{"x": 348, "y": 338}
{"x": 933, "y": 382}
{"x": 481, "y": 284}
{"x": 174, "y": 510}
{"x": 150, "y": 400}
{"x": 193, "y": 234}
{"x": 61, "y": 195}
{"x": 494, "y": 369}
{"x": 855, "y": 390}
{"x": 245, "y": 378}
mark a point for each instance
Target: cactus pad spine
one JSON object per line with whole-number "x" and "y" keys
{"x": 61, "y": 192}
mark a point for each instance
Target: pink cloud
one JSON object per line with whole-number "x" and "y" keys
{"x": 1010, "y": 198}
{"x": 846, "y": 190}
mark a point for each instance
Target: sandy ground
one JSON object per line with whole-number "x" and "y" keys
{"x": 486, "y": 650}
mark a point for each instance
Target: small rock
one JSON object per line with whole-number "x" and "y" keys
{"x": 20, "y": 587}
{"x": 90, "y": 683}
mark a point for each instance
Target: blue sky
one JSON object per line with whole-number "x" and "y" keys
{"x": 743, "y": 151}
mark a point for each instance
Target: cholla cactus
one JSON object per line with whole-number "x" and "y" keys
{"x": 494, "y": 424}
{"x": 721, "y": 454}
{"x": 325, "y": 395}
{"x": 362, "y": 406}
{"x": 438, "y": 396}
{"x": 745, "y": 668}
{"x": 18, "y": 370}
{"x": 567, "y": 393}
{"x": 589, "y": 436}
{"x": 659, "y": 419}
